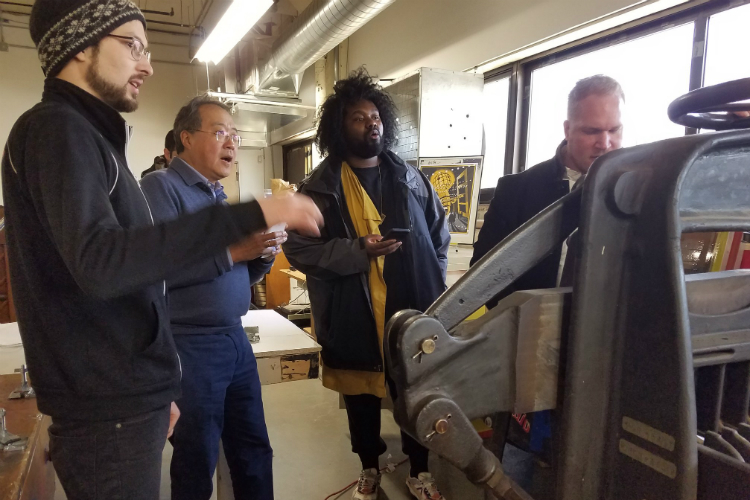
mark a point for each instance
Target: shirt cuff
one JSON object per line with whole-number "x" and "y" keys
{"x": 363, "y": 259}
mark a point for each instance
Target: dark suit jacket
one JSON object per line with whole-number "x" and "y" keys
{"x": 517, "y": 199}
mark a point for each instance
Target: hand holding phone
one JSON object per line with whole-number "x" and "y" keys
{"x": 397, "y": 233}
{"x": 376, "y": 245}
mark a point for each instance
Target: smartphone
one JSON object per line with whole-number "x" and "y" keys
{"x": 397, "y": 234}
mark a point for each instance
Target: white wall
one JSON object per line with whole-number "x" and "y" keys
{"x": 22, "y": 82}
{"x": 161, "y": 98}
{"x": 253, "y": 176}
{"x": 455, "y": 35}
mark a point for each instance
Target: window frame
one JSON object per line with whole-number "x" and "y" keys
{"x": 510, "y": 133}
{"x": 519, "y": 72}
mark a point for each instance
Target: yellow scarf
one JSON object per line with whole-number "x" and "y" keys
{"x": 366, "y": 220}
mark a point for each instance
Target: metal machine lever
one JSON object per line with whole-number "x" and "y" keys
{"x": 744, "y": 430}
{"x": 738, "y": 442}
{"x": 444, "y": 428}
{"x": 516, "y": 254}
{"x": 716, "y": 442}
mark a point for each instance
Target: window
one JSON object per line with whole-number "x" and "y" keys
{"x": 495, "y": 125}
{"x": 728, "y": 51}
{"x": 653, "y": 71}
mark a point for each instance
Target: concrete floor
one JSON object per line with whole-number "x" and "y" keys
{"x": 312, "y": 452}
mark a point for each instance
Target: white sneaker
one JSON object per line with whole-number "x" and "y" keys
{"x": 368, "y": 485}
{"x": 423, "y": 487}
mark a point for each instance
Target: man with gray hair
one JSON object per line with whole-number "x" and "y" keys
{"x": 592, "y": 129}
{"x": 221, "y": 398}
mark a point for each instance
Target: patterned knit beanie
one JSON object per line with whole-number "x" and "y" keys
{"x": 63, "y": 28}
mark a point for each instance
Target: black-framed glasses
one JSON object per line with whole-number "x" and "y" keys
{"x": 137, "y": 49}
{"x": 223, "y": 136}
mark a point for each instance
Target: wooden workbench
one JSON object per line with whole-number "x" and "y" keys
{"x": 26, "y": 474}
{"x": 298, "y": 275}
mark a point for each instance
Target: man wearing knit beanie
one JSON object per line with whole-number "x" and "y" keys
{"x": 69, "y": 35}
{"x": 86, "y": 261}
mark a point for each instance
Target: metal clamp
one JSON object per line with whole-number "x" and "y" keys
{"x": 253, "y": 334}
{"x": 9, "y": 441}
{"x": 25, "y": 390}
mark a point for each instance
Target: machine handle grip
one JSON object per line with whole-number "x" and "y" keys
{"x": 711, "y": 108}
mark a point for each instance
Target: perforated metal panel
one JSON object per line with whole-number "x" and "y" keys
{"x": 405, "y": 94}
{"x": 439, "y": 114}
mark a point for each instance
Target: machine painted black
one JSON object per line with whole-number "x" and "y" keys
{"x": 712, "y": 107}
{"x": 657, "y": 368}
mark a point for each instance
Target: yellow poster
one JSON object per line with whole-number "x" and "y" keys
{"x": 454, "y": 186}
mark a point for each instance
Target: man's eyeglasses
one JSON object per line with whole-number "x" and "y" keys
{"x": 137, "y": 49}
{"x": 223, "y": 136}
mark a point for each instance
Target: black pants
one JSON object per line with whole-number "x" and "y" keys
{"x": 363, "y": 411}
{"x": 112, "y": 460}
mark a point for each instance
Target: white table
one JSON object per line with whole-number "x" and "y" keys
{"x": 282, "y": 345}
{"x": 11, "y": 350}
{"x": 285, "y": 352}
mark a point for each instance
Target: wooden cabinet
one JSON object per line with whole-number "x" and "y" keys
{"x": 277, "y": 283}
{"x": 7, "y": 311}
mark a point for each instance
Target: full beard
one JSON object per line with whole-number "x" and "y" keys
{"x": 116, "y": 97}
{"x": 365, "y": 148}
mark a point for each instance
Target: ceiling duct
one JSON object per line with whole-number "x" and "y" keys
{"x": 319, "y": 28}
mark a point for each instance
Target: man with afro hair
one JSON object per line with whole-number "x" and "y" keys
{"x": 357, "y": 279}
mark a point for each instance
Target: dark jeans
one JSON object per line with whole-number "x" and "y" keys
{"x": 112, "y": 460}
{"x": 363, "y": 411}
{"x": 221, "y": 399}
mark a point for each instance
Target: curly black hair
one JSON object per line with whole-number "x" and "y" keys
{"x": 330, "y": 122}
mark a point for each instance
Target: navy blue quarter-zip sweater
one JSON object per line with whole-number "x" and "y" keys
{"x": 212, "y": 296}
{"x": 87, "y": 264}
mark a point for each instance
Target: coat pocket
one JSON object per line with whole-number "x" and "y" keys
{"x": 157, "y": 363}
{"x": 351, "y": 342}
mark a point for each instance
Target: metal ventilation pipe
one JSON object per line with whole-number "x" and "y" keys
{"x": 320, "y": 27}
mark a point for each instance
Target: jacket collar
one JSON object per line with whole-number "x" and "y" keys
{"x": 102, "y": 116}
{"x": 326, "y": 178}
{"x": 190, "y": 175}
{"x": 554, "y": 168}
{"x": 404, "y": 174}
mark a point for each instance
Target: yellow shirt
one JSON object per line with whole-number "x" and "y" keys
{"x": 366, "y": 220}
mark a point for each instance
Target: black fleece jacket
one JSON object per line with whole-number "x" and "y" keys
{"x": 87, "y": 263}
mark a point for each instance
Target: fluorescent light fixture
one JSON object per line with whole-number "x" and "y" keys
{"x": 640, "y": 10}
{"x": 236, "y": 22}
